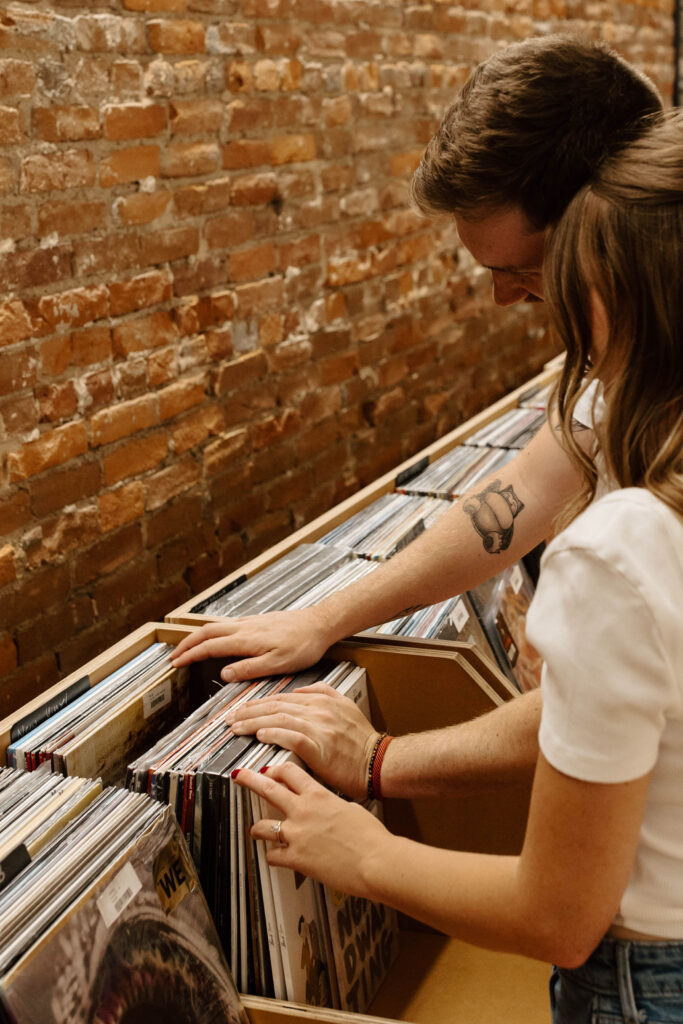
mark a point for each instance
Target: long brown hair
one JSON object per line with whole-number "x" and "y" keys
{"x": 621, "y": 240}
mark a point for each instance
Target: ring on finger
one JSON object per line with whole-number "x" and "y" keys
{"x": 276, "y": 827}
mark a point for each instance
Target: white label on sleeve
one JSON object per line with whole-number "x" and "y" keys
{"x": 459, "y": 615}
{"x": 516, "y": 579}
{"x": 156, "y": 699}
{"x": 118, "y": 894}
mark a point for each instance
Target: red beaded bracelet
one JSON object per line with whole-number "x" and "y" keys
{"x": 375, "y": 766}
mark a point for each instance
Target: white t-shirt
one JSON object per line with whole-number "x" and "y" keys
{"x": 607, "y": 618}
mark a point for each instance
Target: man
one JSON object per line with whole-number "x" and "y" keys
{"x": 527, "y": 131}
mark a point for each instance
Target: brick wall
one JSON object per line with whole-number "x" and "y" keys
{"x": 219, "y": 316}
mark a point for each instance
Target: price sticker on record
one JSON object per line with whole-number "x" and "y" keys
{"x": 516, "y": 579}
{"x": 459, "y": 616}
{"x": 118, "y": 894}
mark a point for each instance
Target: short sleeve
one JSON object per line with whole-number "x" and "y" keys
{"x": 606, "y": 686}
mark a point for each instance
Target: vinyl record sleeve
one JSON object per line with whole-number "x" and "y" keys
{"x": 138, "y": 944}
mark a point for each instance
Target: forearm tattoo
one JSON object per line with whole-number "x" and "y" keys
{"x": 493, "y": 514}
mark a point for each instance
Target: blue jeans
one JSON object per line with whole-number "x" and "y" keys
{"x": 622, "y": 982}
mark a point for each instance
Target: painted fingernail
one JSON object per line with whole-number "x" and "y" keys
{"x": 235, "y": 773}
{"x": 265, "y": 769}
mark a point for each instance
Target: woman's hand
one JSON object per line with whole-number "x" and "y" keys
{"x": 320, "y": 834}
{"x": 325, "y": 729}
{"x": 263, "y": 644}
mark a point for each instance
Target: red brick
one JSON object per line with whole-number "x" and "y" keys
{"x": 142, "y": 207}
{"x": 226, "y": 451}
{"x": 74, "y": 527}
{"x": 27, "y": 682}
{"x": 242, "y": 371}
{"x": 17, "y": 78}
{"x": 275, "y": 429}
{"x": 250, "y": 264}
{"x": 15, "y": 512}
{"x": 210, "y": 197}
{"x": 173, "y": 520}
{"x": 106, "y": 556}
{"x": 121, "y": 506}
{"x": 57, "y": 401}
{"x": 100, "y": 390}
{"x": 231, "y": 37}
{"x": 200, "y": 274}
{"x": 134, "y": 457}
{"x": 8, "y": 569}
{"x": 152, "y": 331}
{"x": 17, "y": 219}
{"x": 297, "y": 254}
{"x": 55, "y": 355}
{"x": 140, "y": 292}
{"x": 238, "y": 77}
{"x": 61, "y": 622}
{"x": 16, "y": 323}
{"x": 287, "y": 149}
{"x": 10, "y": 126}
{"x": 123, "y": 420}
{"x": 19, "y": 416}
{"x": 106, "y": 254}
{"x": 244, "y": 113}
{"x": 107, "y": 33}
{"x": 122, "y": 588}
{"x": 168, "y": 483}
{"x": 31, "y": 269}
{"x": 126, "y": 79}
{"x": 72, "y": 218}
{"x": 259, "y": 297}
{"x": 131, "y": 164}
{"x": 196, "y": 117}
{"x": 188, "y": 159}
{"x": 73, "y": 308}
{"x": 270, "y": 330}
{"x": 290, "y": 353}
{"x": 8, "y": 655}
{"x": 232, "y": 229}
{"x": 73, "y": 168}
{"x": 181, "y": 396}
{"x": 8, "y": 174}
{"x": 176, "y": 37}
{"x": 53, "y": 448}
{"x": 52, "y": 491}
{"x": 134, "y": 121}
{"x": 196, "y": 428}
{"x": 170, "y": 244}
{"x": 284, "y": 39}
{"x": 65, "y": 124}
{"x": 243, "y": 153}
{"x": 161, "y": 367}
{"x": 254, "y": 190}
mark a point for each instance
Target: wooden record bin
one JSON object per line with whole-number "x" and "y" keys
{"x": 413, "y": 685}
{"x": 345, "y": 509}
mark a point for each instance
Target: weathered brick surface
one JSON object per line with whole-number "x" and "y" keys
{"x": 220, "y": 316}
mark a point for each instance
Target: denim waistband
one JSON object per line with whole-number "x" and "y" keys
{"x": 648, "y": 968}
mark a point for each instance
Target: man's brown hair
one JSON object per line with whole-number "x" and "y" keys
{"x": 531, "y": 126}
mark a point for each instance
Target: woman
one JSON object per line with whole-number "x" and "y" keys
{"x": 598, "y": 886}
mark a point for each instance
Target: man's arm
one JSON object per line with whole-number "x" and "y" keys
{"x": 497, "y": 749}
{"x": 503, "y": 518}
{"x": 333, "y": 737}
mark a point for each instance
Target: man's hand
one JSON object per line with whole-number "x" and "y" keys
{"x": 273, "y": 643}
{"x": 324, "y": 728}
